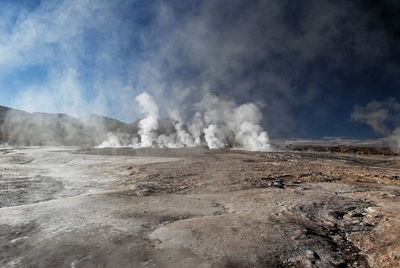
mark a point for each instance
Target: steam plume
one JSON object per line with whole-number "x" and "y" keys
{"x": 383, "y": 117}
{"x": 217, "y": 123}
{"x": 149, "y": 124}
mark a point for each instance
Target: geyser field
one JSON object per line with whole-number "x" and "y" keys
{"x": 187, "y": 133}
{"x": 207, "y": 190}
{"x": 193, "y": 207}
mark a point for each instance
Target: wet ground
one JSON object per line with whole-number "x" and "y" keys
{"x": 74, "y": 207}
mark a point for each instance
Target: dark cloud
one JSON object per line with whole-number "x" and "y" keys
{"x": 291, "y": 56}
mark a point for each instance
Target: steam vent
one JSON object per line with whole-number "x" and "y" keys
{"x": 207, "y": 133}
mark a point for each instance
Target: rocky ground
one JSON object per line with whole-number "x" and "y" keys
{"x": 71, "y": 207}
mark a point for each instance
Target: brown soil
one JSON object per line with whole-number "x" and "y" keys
{"x": 347, "y": 149}
{"x": 198, "y": 208}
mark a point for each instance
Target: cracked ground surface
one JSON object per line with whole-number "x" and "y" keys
{"x": 71, "y": 207}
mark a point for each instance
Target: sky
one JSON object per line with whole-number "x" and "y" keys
{"x": 316, "y": 68}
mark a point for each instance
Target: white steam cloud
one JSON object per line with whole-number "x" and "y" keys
{"x": 383, "y": 117}
{"x": 149, "y": 124}
{"x": 217, "y": 123}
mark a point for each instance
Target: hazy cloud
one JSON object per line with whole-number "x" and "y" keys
{"x": 382, "y": 116}
{"x": 96, "y": 56}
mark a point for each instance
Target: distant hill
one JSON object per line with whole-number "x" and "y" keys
{"x": 23, "y": 128}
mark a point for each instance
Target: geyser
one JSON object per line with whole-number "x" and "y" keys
{"x": 217, "y": 123}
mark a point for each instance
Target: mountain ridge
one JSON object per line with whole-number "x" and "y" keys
{"x": 18, "y": 127}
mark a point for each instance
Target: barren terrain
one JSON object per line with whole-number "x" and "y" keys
{"x": 74, "y": 207}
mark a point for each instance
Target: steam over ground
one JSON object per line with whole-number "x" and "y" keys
{"x": 383, "y": 117}
{"x": 216, "y": 123}
{"x": 310, "y": 62}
